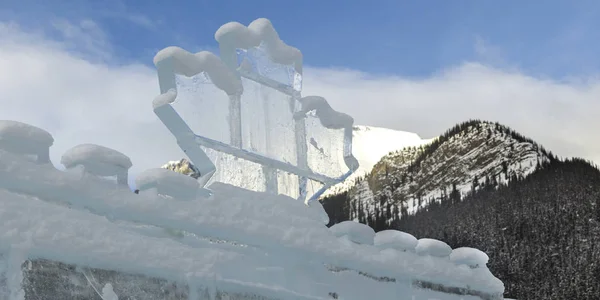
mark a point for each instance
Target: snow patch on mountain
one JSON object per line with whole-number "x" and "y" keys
{"x": 369, "y": 145}
{"x": 483, "y": 152}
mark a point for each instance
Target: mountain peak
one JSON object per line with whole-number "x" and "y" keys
{"x": 468, "y": 156}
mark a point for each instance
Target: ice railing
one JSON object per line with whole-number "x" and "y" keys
{"x": 241, "y": 119}
{"x": 235, "y": 242}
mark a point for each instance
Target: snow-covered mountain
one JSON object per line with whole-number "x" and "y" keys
{"x": 466, "y": 157}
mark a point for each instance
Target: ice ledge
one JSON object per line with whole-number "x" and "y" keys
{"x": 235, "y": 35}
{"x": 188, "y": 64}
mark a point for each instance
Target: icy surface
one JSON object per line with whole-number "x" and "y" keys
{"x": 267, "y": 122}
{"x": 168, "y": 182}
{"x": 319, "y": 211}
{"x": 17, "y": 132}
{"x": 433, "y": 247}
{"x": 188, "y": 64}
{"x": 203, "y": 106}
{"x": 325, "y": 148}
{"x": 262, "y": 113}
{"x": 96, "y": 159}
{"x": 163, "y": 99}
{"x": 328, "y": 116}
{"x": 260, "y": 30}
{"x": 108, "y": 293}
{"x": 256, "y": 63}
{"x": 395, "y": 239}
{"x": 236, "y": 243}
{"x": 54, "y": 232}
{"x": 472, "y": 257}
{"x": 268, "y": 127}
{"x": 25, "y": 139}
{"x": 356, "y": 232}
{"x": 263, "y": 238}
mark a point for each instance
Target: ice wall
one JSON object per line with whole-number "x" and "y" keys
{"x": 68, "y": 234}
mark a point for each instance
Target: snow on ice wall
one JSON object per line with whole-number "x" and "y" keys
{"x": 69, "y": 234}
{"x": 245, "y": 111}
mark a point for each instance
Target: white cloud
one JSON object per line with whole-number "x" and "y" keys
{"x": 562, "y": 116}
{"x": 79, "y": 101}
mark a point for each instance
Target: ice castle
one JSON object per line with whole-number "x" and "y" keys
{"x": 75, "y": 234}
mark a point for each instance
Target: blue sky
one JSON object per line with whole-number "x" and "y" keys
{"x": 82, "y": 69}
{"x": 549, "y": 38}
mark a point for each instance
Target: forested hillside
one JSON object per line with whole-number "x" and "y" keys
{"x": 486, "y": 186}
{"x": 541, "y": 232}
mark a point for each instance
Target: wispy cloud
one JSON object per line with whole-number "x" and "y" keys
{"x": 142, "y": 20}
{"x": 119, "y": 9}
{"x": 81, "y": 100}
{"x": 85, "y": 36}
{"x": 563, "y": 116}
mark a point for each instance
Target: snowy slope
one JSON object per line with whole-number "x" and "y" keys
{"x": 369, "y": 145}
{"x": 238, "y": 244}
{"x": 480, "y": 152}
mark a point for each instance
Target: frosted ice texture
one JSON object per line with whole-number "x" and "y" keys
{"x": 18, "y": 137}
{"x": 78, "y": 221}
{"x": 236, "y": 171}
{"x": 395, "y": 239}
{"x": 268, "y": 128}
{"x": 260, "y": 111}
{"x": 433, "y": 247}
{"x": 325, "y": 148}
{"x": 96, "y": 159}
{"x": 256, "y": 60}
{"x": 169, "y": 183}
{"x": 203, "y": 106}
{"x": 354, "y": 231}
{"x": 267, "y": 122}
{"x": 471, "y": 257}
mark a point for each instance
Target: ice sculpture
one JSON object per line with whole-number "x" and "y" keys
{"x": 36, "y": 144}
{"x": 241, "y": 119}
{"x": 66, "y": 235}
{"x": 73, "y": 237}
{"x": 98, "y": 160}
